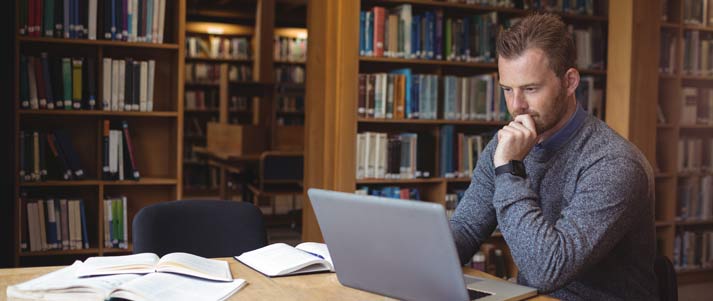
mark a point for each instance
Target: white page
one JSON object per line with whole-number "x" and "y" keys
{"x": 317, "y": 248}
{"x": 195, "y": 265}
{"x": 163, "y": 286}
{"x": 278, "y": 259}
{"x": 137, "y": 263}
{"x": 64, "y": 285}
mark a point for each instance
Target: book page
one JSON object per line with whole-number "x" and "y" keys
{"x": 164, "y": 286}
{"x": 63, "y": 284}
{"x": 319, "y": 249}
{"x": 129, "y": 264}
{"x": 279, "y": 259}
{"x": 184, "y": 263}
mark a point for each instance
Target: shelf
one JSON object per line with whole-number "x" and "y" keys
{"x": 89, "y": 251}
{"x": 97, "y": 113}
{"x": 117, "y": 250}
{"x": 668, "y": 76}
{"x": 683, "y": 174}
{"x": 217, "y": 60}
{"x": 195, "y": 162}
{"x": 664, "y": 126}
{"x": 661, "y": 175}
{"x": 480, "y": 8}
{"x": 375, "y": 59}
{"x": 432, "y": 121}
{"x": 201, "y": 85}
{"x": 697, "y": 78}
{"x": 298, "y": 113}
{"x": 458, "y": 180}
{"x": 660, "y": 224}
{"x": 695, "y": 270}
{"x": 399, "y": 181}
{"x": 193, "y": 137}
{"x": 695, "y": 222}
{"x": 27, "y": 39}
{"x": 697, "y": 27}
{"x": 696, "y": 127}
{"x": 61, "y": 183}
{"x": 142, "y": 181}
{"x": 671, "y": 25}
{"x": 282, "y": 62}
{"x": 202, "y": 111}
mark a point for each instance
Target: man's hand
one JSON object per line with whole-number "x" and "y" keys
{"x": 515, "y": 140}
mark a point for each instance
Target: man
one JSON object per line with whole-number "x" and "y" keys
{"x": 573, "y": 200}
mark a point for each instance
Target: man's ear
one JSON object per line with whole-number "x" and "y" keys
{"x": 571, "y": 78}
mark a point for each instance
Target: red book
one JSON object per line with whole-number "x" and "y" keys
{"x": 379, "y": 22}
{"x": 130, "y": 148}
{"x": 38, "y": 19}
{"x": 39, "y": 78}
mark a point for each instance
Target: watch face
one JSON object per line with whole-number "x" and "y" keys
{"x": 518, "y": 168}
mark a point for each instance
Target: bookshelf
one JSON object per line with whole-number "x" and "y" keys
{"x": 681, "y": 85}
{"x": 156, "y": 134}
{"x": 332, "y": 120}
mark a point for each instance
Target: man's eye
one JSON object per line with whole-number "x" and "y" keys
{"x": 507, "y": 89}
{"x": 530, "y": 89}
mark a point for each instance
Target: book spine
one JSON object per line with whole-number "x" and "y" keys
{"x": 115, "y": 223}
{"x": 24, "y": 84}
{"x": 149, "y": 20}
{"x": 23, "y": 160}
{"x": 39, "y": 78}
{"x": 107, "y": 223}
{"x": 77, "y": 83}
{"x": 43, "y": 224}
{"x": 51, "y": 225}
{"x": 35, "y": 156}
{"x": 57, "y": 84}
{"x": 128, "y": 82}
{"x": 43, "y": 164}
{"x": 105, "y": 150}
{"x": 23, "y": 17}
{"x": 67, "y": 27}
{"x": 151, "y": 74}
{"x": 47, "y": 79}
{"x": 65, "y": 223}
{"x": 83, "y": 217}
{"x": 106, "y": 84}
{"x": 67, "y": 80}
{"x": 138, "y": 103}
{"x": 161, "y": 20}
{"x": 124, "y": 231}
{"x": 59, "y": 18}
{"x": 92, "y": 22}
{"x": 130, "y": 149}
{"x": 49, "y": 18}
{"x": 121, "y": 79}
{"x": 125, "y": 19}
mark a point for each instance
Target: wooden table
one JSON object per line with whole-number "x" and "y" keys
{"x": 324, "y": 286}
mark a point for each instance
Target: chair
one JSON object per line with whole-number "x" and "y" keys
{"x": 279, "y": 173}
{"x": 206, "y": 228}
{"x": 666, "y": 275}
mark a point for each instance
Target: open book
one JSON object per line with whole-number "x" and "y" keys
{"x": 281, "y": 259}
{"x": 65, "y": 285}
{"x": 179, "y": 263}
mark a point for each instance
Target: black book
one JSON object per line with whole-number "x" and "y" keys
{"x": 23, "y": 163}
{"x": 394, "y": 155}
{"x": 107, "y": 19}
{"x": 59, "y": 18}
{"x": 29, "y": 162}
{"x": 70, "y": 153}
{"x": 43, "y": 164}
{"x": 57, "y": 83}
{"x": 106, "y": 173}
{"x": 118, "y": 19}
{"x": 128, "y": 83}
{"x": 60, "y": 161}
{"x": 83, "y": 18}
{"x": 90, "y": 83}
{"x": 47, "y": 79}
{"x": 24, "y": 84}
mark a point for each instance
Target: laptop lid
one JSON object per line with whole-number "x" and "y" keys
{"x": 401, "y": 249}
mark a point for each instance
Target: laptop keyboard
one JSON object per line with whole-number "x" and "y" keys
{"x": 475, "y": 295}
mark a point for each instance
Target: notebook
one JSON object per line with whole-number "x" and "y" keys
{"x": 399, "y": 248}
{"x": 281, "y": 259}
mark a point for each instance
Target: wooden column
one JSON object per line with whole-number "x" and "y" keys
{"x": 263, "y": 69}
{"x": 331, "y": 100}
{"x": 632, "y": 72}
{"x": 223, "y": 93}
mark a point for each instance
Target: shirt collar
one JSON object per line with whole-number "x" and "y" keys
{"x": 567, "y": 131}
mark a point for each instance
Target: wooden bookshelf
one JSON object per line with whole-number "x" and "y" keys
{"x": 670, "y": 98}
{"x": 332, "y": 122}
{"x": 156, "y": 135}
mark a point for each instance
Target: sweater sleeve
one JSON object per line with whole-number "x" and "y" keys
{"x": 608, "y": 194}
{"x": 474, "y": 219}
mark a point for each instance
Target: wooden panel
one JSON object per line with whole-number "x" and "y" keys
{"x": 331, "y": 87}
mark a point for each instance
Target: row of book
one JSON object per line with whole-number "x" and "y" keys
{"x": 201, "y": 99}
{"x": 119, "y": 160}
{"x": 54, "y": 224}
{"x": 290, "y": 49}
{"x": 206, "y": 73}
{"x": 394, "y": 192}
{"x": 385, "y": 156}
{"x": 473, "y": 98}
{"x": 697, "y": 106}
{"x": 695, "y": 198}
{"x": 576, "y": 7}
{"x": 290, "y": 74}
{"x": 116, "y": 234}
{"x": 698, "y": 12}
{"x": 218, "y": 47}
{"x": 697, "y": 53}
{"x": 398, "y": 95}
{"x": 57, "y": 82}
{"x": 693, "y": 250}
{"x": 452, "y": 201}
{"x": 290, "y": 104}
{"x": 667, "y": 55}
{"x": 70, "y": 84}
{"x": 695, "y": 154}
{"x": 124, "y": 20}
{"x": 590, "y": 95}
{"x": 48, "y": 156}
{"x": 459, "y": 152}
{"x": 290, "y": 120}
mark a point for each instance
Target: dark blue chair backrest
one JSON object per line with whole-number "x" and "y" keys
{"x": 206, "y": 228}
{"x": 668, "y": 285}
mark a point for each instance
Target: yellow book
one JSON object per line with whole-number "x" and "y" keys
{"x": 77, "y": 83}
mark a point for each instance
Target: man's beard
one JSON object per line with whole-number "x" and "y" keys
{"x": 554, "y": 113}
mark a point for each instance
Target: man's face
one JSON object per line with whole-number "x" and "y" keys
{"x": 532, "y": 87}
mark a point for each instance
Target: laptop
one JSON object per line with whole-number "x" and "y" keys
{"x": 401, "y": 249}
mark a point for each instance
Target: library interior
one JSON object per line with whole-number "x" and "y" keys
{"x": 249, "y": 149}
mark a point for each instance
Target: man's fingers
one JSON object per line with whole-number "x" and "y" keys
{"x": 527, "y": 121}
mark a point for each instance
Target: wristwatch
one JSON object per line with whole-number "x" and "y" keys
{"x": 514, "y": 167}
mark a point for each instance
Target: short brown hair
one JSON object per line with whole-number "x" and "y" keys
{"x": 545, "y": 31}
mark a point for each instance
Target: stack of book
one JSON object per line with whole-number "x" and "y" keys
{"x": 590, "y": 96}
{"x": 218, "y": 47}
{"x": 48, "y": 156}
{"x": 693, "y": 250}
{"x": 398, "y": 95}
{"x": 57, "y": 82}
{"x": 54, "y": 223}
{"x": 667, "y": 58}
{"x": 388, "y": 156}
{"x": 290, "y": 49}
{"x": 460, "y": 152}
{"x": 201, "y": 99}
{"x": 695, "y": 198}
{"x": 698, "y": 12}
{"x": 394, "y": 192}
{"x": 119, "y": 160}
{"x": 129, "y": 20}
{"x": 697, "y": 53}
{"x": 116, "y": 234}
{"x": 128, "y": 85}
{"x": 292, "y": 74}
{"x": 697, "y": 106}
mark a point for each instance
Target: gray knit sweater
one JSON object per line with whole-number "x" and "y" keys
{"x": 581, "y": 226}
